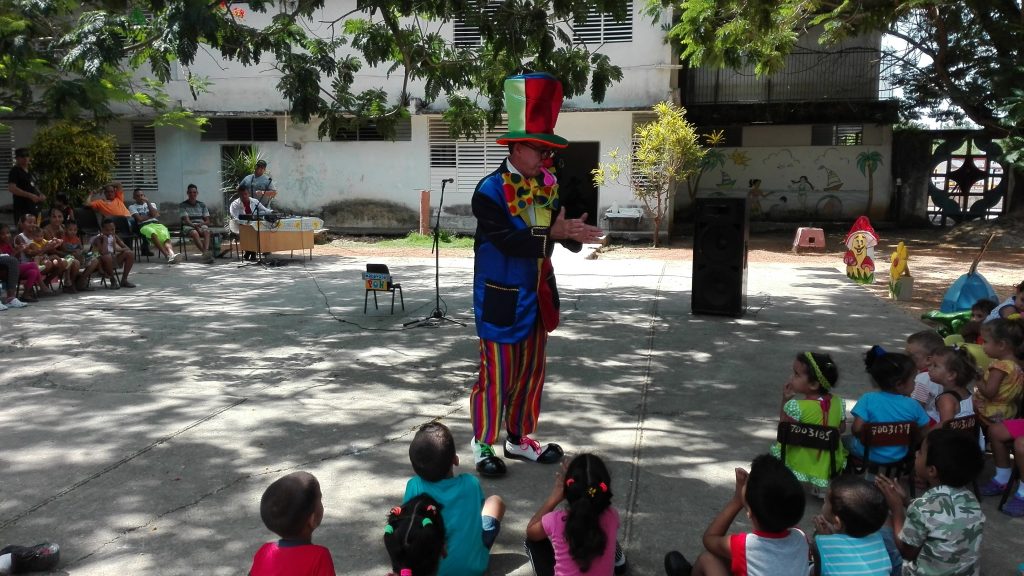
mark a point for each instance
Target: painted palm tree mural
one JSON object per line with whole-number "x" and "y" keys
{"x": 713, "y": 159}
{"x": 867, "y": 163}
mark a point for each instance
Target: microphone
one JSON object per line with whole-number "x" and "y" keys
{"x": 448, "y": 180}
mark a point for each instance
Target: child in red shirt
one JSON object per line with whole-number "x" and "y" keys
{"x": 292, "y": 508}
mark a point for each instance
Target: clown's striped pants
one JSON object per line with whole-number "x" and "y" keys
{"x": 509, "y": 387}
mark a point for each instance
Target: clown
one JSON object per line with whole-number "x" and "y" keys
{"x": 519, "y": 220}
{"x": 861, "y": 242}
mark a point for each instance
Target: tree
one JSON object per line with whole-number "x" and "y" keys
{"x": 72, "y": 158}
{"x": 713, "y": 158}
{"x": 72, "y": 59}
{"x": 964, "y": 52}
{"x": 665, "y": 152}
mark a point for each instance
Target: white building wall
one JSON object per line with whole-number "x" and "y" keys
{"x": 646, "y": 62}
{"x": 307, "y": 172}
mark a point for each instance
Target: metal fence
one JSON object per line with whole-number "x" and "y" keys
{"x": 850, "y": 75}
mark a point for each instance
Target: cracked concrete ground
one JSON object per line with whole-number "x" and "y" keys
{"x": 143, "y": 425}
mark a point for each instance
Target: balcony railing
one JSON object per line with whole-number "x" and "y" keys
{"x": 850, "y": 75}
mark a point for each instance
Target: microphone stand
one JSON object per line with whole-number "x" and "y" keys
{"x": 437, "y": 317}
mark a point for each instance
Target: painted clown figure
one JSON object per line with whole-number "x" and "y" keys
{"x": 519, "y": 219}
{"x": 861, "y": 242}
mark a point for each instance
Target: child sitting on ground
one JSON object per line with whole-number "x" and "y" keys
{"x": 580, "y": 539}
{"x": 920, "y": 347}
{"x": 847, "y": 540}
{"x": 292, "y": 507}
{"x": 775, "y": 504}
{"x": 940, "y": 532}
{"x": 893, "y": 374}
{"x": 471, "y": 522}
{"x": 954, "y": 369}
{"x": 807, "y": 398}
{"x": 999, "y": 391}
{"x": 1012, "y": 305}
{"x": 113, "y": 252}
{"x": 414, "y": 537}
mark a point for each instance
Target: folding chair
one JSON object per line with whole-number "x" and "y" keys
{"x": 813, "y": 436}
{"x": 377, "y": 278}
{"x": 878, "y": 434}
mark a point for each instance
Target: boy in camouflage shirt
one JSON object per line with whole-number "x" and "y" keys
{"x": 940, "y": 532}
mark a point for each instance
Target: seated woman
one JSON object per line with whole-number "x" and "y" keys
{"x": 43, "y": 253}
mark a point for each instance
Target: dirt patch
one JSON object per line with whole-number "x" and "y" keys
{"x": 937, "y": 256}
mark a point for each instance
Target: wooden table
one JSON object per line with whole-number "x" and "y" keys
{"x": 284, "y": 235}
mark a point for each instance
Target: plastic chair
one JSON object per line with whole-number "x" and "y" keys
{"x": 377, "y": 278}
{"x": 88, "y": 222}
{"x": 812, "y": 436}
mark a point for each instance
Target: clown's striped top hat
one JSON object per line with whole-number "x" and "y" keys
{"x": 533, "y": 102}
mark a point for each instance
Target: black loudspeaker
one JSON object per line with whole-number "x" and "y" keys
{"x": 720, "y": 257}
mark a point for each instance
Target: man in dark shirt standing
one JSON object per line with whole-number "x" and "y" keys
{"x": 21, "y": 183}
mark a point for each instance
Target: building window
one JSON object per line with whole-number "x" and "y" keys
{"x": 136, "y": 158}
{"x": 6, "y": 152}
{"x": 369, "y": 133}
{"x": 467, "y": 161}
{"x": 837, "y": 135}
{"x": 603, "y": 28}
{"x": 240, "y": 130}
{"x": 466, "y": 34}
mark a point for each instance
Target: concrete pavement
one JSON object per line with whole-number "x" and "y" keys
{"x": 143, "y": 425}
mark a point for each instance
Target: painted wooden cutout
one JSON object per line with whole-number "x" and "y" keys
{"x": 859, "y": 258}
{"x": 901, "y": 283}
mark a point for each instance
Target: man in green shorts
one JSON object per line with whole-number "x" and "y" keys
{"x": 146, "y": 217}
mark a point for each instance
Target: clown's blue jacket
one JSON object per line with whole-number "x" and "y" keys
{"x": 508, "y": 254}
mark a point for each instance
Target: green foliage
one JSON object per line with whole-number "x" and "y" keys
{"x": 72, "y": 158}
{"x": 665, "y": 152}
{"x": 966, "y": 53}
{"x": 417, "y": 240}
{"x": 72, "y": 59}
{"x": 236, "y": 165}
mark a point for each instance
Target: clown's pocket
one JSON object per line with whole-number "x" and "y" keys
{"x": 500, "y": 303}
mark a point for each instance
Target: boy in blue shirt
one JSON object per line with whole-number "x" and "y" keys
{"x": 471, "y": 521}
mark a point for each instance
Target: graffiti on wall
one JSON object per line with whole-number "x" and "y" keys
{"x": 800, "y": 183}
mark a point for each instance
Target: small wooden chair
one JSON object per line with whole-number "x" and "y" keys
{"x": 880, "y": 434}
{"x": 377, "y": 278}
{"x": 812, "y": 436}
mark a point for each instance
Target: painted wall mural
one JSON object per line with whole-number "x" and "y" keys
{"x": 801, "y": 182}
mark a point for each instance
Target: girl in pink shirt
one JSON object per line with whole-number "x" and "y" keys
{"x": 581, "y": 535}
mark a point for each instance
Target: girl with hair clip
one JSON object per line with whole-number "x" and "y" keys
{"x": 953, "y": 368}
{"x": 999, "y": 391}
{"x": 581, "y": 538}
{"x": 414, "y": 537}
{"x": 807, "y": 398}
{"x": 893, "y": 373}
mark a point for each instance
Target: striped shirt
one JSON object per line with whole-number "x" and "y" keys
{"x": 843, "y": 555}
